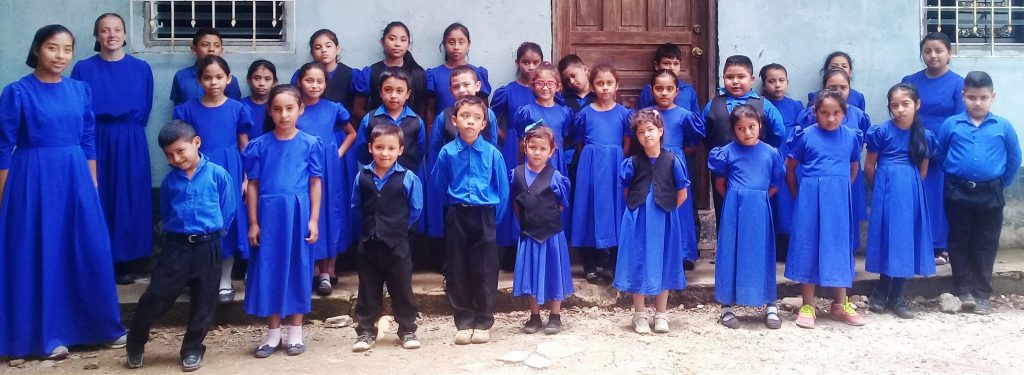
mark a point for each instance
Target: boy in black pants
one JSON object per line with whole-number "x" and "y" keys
{"x": 197, "y": 201}
{"x": 390, "y": 199}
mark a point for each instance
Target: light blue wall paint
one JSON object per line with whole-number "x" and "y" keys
{"x": 496, "y": 29}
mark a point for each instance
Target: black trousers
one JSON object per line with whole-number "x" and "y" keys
{"x": 975, "y": 214}
{"x": 180, "y": 264}
{"x": 380, "y": 264}
{"x": 472, "y": 271}
{"x": 595, "y": 259}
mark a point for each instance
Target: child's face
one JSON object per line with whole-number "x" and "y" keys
{"x": 649, "y": 135}
{"x": 465, "y": 84}
{"x": 528, "y": 63}
{"x": 55, "y": 53}
{"x": 395, "y": 43}
{"x": 776, "y": 83}
{"x": 840, "y": 62}
{"x": 665, "y": 91}
{"x": 747, "y": 130}
{"x": 456, "y": 45}
{"x": 469, "y": 121}
{"x": 386, "y": 150}
{"x": 285, "y": 110}
{"x": 737, "y": 80}
{"x": 538, "y": 152}
{"x": 979, "y": 101}
{"x": 313, "y": 83}
{"x": 902, "y": 107}
{"x": 576, "y": 76}
{"x": 261, "y": 81}
{"x": 207, "y": 45}
{"x": 214, "y": 80}
{"x": 840, "y": 84}
{"x": 394, "y": 92}
{"x": 183, "y": 154}
{"x": 605, "y": 86}
{"x": 545, "y": 85}
{"x": 110, "y": 34}
{"x": 670, "y": 63}
{"x": 324, "y": 50}
{"x": 935, "y": 54}
{"x": 829, "y": 114}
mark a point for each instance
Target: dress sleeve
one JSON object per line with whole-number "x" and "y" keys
{"x": 718, "y": 162}
{"x": 777, "y": 127}
{"x": 521, "y": 119}
{"x": 646, "y": 99}
{"x": 499, "y": 102}
{"x": 778, "y": 172}
{"x": 933, "y": 143}
{"x": 88, "y": 124}
{"x": 176, "y": 90}
{"x": 958, "y": 97}
{"x": 693, "y": 130}
{"x": 500, "y": 182}
{"x": 11, "y": 118}
{"x": 492, "y": 126}
{"x": 865, "y": 122}
{"x": 234, "y": 91}
{"x": 679, "y": 169}
{"x": 180, "y": 113}
{"x": 795, "y": 145}
{"x": 361, "y": 81}
{"x": 253, "y": 159}
{"x": 806, "y": 117}
{"x": 485, "y": 80}
{"x": 874, "y": 138}
{"x": 431, "y": 82}
{"x": 226, "y": 188}
{"x": 859, "y": 145}
{"x": 343, "y": 117}
{"x": 625, "y": 172}
{"x": 561, "y": 185}
{"x": 244, "y": 120}
{"x": 316, "y": 158}
{"x": 147, "y": 71}
{"x": 362, "y": 140}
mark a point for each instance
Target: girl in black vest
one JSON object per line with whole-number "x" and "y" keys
{"x": 539, "y": 194}
{"x": 651, "y": 246}
{"x": 324, "y": 48}
{"x": 395, "y": 41}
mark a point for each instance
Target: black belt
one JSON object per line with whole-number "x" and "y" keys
{"x": 990, "y": 184}
{"x": 193, "y": 238}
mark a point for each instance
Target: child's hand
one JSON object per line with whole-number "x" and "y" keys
{"x": 341, "y": 153}
{"x": 254, "y": 235}
{"x": 314, "y": 232}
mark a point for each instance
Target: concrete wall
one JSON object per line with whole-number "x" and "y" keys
{"x": 496, "y": 29}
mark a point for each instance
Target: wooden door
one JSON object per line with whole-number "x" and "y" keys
{"x": 625, "y": 34}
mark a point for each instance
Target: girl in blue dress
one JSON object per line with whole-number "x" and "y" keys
{"x": 223, "y": 124}
{"x": 505, "y": 102}
{"x": 747, "y": 173}
{"x": 651, "y": 247}
{"x": 774, "y": 87}
{"x": 55, "y": 262}
{"x": 544, "y": 109}
{"x": 326, "y": 119}
{"x": 122, "y": 97}
{"x": 821, "y": 251}
{"x": 539, "y": 193}
{"x": 262, "y": 77}
{"x": 841, "y": 60}
{"x": 941, "y": 97}
{"x": 283, "y": 195}
{"x": 899, "y": 235}
{"x": 603, "y": 127}
{"x": 340, "y": 83}
{"x": 455, "y": 44}
{"x": 395, "y": 42}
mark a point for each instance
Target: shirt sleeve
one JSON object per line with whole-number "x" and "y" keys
{"x": 485, "y": 80}
{"x": 500, "y": 181}
{"x": 777, "y": 126}
{"x": 1013, "y": 154}
{"x": 10, "y": 121}
{"x": 228, "y": 198}
{"x": 718, "y": 162}
{"x": 165, "y": 198}
{"x": 88, "y": 124}
{"x": 356, "y": 199}
{"x": 560, "y": 185}
{"x": 421, "y": 139}
{"x": 492, "y": 126}
{"x": 234, "y": 91}
{"x": 414, "y": 195}
{"x": 176, "y": 90}
{"x": 679, "y": 169}
{"x": 362, "y": 140}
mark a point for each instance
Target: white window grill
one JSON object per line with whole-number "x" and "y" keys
{"x": 241, "y": 23}
{"x": 987, "y": 26}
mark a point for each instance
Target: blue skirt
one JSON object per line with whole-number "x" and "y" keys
{"x": 598, "y": 203}
{"x": 933, "y": 191}
{"x": 686, "y": 224}
{"x": 350, "y": 170}
{"x": 650, "y": 250}
{"x": 280, "y": 269}
{"x": 745, "y": 257}
{"x": 783, "y": 202}
{"x": 236, "y": 241}
{"x": 899, "y": 235}
{"x": 542, "y": 269}
{"x": 55, "y": 264}
{"x": 125, "y": 189}
{"x": 334, "y": 211}
{"x": 821, "y": 250}
{"x": 507, "y": 231}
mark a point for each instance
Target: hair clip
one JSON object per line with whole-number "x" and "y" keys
{"x": 533, "y": 125}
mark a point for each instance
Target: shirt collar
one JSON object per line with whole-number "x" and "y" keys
{"x": 394, "y": 168}
{"x": 965, "y": 118}
{"x": 202, "y": 163}
{"x": 462, "y": 145}
{"x": 406, "y": 112}
{"x": 750, "y": 94}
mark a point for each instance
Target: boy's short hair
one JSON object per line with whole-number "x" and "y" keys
{"x": 739, "y": 60}
{"x": 567, "y": 61}
{"x": 463, "y": 69}
{"x": 382, "y": 131}
{"x": 668, "y": 51}
{"x": 978, "y": 80}
{"x": 174, "y": 131}
{"x": 470, "y": 100}
{"x": 204, "y": 32}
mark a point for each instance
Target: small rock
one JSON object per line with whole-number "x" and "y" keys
{"x": 792, "y": 303}
{"x": 860, "y": 305}
{"x": 91, "y": 365}
{"x": 920, "y": 299}
{"x": 681, "y": 307}
{"x": 700, "y": 306}
{"x": 16, "y": 362}
{"x": 316, "y": 322}
{"x": 537, "y": 361}
{"x": 47, "y": 363}
{"x": 340, "y": 321}
{"x": 514, "y": 356}
{"x": 949, "y": 303}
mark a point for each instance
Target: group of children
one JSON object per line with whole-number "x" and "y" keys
{"x": 551, "y": 161}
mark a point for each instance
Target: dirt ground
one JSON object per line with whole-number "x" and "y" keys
{"x": 602, "y": 342}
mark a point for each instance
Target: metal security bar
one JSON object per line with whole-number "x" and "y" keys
{"x": 979, "y": 24}
{"x": 240, "y": 22}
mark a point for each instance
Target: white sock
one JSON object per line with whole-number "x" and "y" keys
{"x": 225, "y": 272}
{"x": 273, "y": 337}
{"x": 772, "y": 309}
{"x": 325, "y": 276}
{"x": 294, "y": 335}
{"x": 726, "y": 309}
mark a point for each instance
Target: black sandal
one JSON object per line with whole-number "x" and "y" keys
{"x": 729, "y": 320}
{"x": 772, "y": 323}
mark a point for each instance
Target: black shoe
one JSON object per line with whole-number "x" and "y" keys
{"x": 364, "y": 343}
{"x": 901, "y": 310}
{"x": 689, "y": 265}
{"x": 409, "y": 340}
{"x": 124, "y": 279}
{"x": 592, "y": 277}
{"x": 533, "y": 325}
{"x": 967, "y": 303}
{"x": 324, "y": 287}
{"x": 876, "y": 304}
{"x": 191, "y": 362}
{"x": 606, "y": 274}
{"x": 984, "y": 307}
{"x": 135, "y": 360}
{"x": 226, "y": 295}
{"x": 554, "y": 324}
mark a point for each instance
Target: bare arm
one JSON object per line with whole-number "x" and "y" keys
{"x": 314, "y": 209}
{"x": 720, "y": 185}
{"x": 3, "y": 182}
{"x": 350, "y": 138}
{"x": 854, "y": 169}
{"x": 627, "y": 145}
{"x": 922, "y": 169}
{"x": 870, "y": 163}
{"x": 791, "y": 165}
{"x": 681, "y": 196}
{"x": 252, "y": 195}
{"x": 92, "y": 171}
{"x": 358, "y": 109}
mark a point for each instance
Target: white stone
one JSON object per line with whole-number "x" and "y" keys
{"x": 340, "y": 321}
{"x": 538, "y": 361}
{"x": 515, "y": 356}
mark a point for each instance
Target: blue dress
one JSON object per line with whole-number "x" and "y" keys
{"x": 598, "y": 196}
{"x": 55, "y": 264}
{"x": 324, "y": 120}
{"x": 185, "y": 86}
{"x": 899, "y": 234}
{"x": 821, "y": 252}
{"x": 651, "y": 249}
{"x": 684, "y": 129}
{"x": 542, "y": 268}
{"x": 218, "y": 128}
{"x": 259, "y": 115}
{"x": 855, "y": 99}
{"x": 782, "y": 206}
{"x": 281, "y": 267}
{"x": 745, "y": 256}
{"x": 854, "y": 119}
{"x": 556, "y": 117}
{"x": 505, "y": 102}
{"x": 941, "y": 97}
{"x": 439, "y": 85}
{"x": 122, "y": 99}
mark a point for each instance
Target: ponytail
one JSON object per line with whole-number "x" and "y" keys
{"x": 918, "y": 141}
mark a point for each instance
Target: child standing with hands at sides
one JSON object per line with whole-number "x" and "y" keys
{"x": 543, "y": 109}
{"x": 395, "y": 41}
{"x": 262, "y": 77}
{"x": 284, "y": 168}
{"x": 539, "y": 193}
{"x": 223, "y": 123}
{"x": 774, "y": 87}
{"x": 473, "y": 176}
{"x": 841, "y": 60}
{"x": 821, "y": 251}
{"x": 669, "y": 57}
{"x": 981, "y": 156}
{"x": 455, "y": 43}
{"x": 899, "y": 236}
{"x": 197, "y": 204}
{"x": 747, "y": 173}
{"x": 651, "y": 247}
{"x": 390, "y": 199}
{"x": 338, "y": 87}
{"x": 187, "y": 83}
{"x": 941, "y": 92}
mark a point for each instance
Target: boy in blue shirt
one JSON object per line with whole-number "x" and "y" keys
{"x": 186, "y": 85}
{"x": 197, "y": 203}
{"x": 980, "y": 155}
{"x": 669, "y": 56}
{"x": 474, "y": 179}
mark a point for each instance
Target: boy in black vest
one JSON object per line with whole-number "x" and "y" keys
{"x": 390, "y": 198}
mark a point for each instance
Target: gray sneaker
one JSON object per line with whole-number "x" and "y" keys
{"x": 967, "y": 303}
{"x": 983, "y": 307}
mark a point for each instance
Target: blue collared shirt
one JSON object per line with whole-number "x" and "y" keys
{"x": 363, "y": 133}
{"x": 472, "y": 174}
{"x": 204, "y": 204}
{"x": 979, "y": 153}
{"x": 411, "y": 183}
{"x": 772, "y": 117}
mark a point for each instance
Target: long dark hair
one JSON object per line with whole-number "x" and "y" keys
{"x": 408, "y": 61}
{"x": 828, "y": 60}
{"x": 448, "y": 30}
{"x": 764, "y": 74}
{"x": 268, "y": 122}
{"x": 42, "y": 35}
{"x": 918, "y": 143}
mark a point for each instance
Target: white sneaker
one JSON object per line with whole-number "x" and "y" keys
{"x": 661, "y": 322}
{"x": 640, "y": 323}
{"x": 121, "y": 342}
{"x": 481, "y": 336}
{"x": 463, "y": 337}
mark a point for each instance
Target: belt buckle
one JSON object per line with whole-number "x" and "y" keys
{"x": 192, "y": 238}
{"x": 972, "y": 184}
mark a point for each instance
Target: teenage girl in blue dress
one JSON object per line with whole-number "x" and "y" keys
{"x": 262, "y": 76}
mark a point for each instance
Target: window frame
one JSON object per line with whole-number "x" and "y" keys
{"x": 142, "y": 41}
{"x": 990, "y": 48}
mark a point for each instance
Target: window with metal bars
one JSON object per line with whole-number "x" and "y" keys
{"x": 990, "y": 26}
{"x": 240, "y": 22}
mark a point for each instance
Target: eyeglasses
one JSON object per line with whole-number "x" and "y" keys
{"x": 543, "y": 84}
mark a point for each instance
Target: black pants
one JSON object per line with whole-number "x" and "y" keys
{"x": 595, "y": 259}
{"x": 472, "y": 271}
{"x": 975, "y": 214}
{"x": 380, "y": 264}
{"x": 180, "y": 264}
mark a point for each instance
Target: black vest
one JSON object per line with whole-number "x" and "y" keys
{"x": 539, "y": 214}
{"x": 338, "y": 88}
{"x": 385, "y": 212}
{"x": 661, "y": 175}
{"x": 410, "y": 126}
{"x": 417, "y": 85}
{"x": 571, "y": 101}
{"x": 719, "y": 129}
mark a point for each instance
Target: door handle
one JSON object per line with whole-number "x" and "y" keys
{"x": 697, "y": 51}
